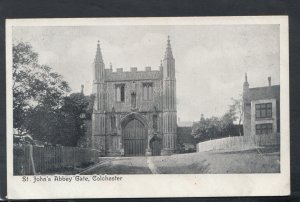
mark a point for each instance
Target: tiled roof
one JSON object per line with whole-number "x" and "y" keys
{"x": 267, "y": 92}
{"x": 127, "y": 76}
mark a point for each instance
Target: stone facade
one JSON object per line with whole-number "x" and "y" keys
{"x": 261, "y": 109}
{"x": 135, "y": 112}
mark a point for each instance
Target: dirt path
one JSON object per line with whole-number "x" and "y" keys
{"x": 119, "y": 165}
{"x": 151, "y": 165}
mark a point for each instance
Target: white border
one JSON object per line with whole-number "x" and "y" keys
{"x": 185, "y": 185}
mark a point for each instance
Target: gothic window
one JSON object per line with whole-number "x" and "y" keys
{"x": 120, "y": 92}
{"x": 263, "y": 110}
{"x": 133, "y": 100}
{"x": 263, "y": 129}
{"x": 147, "y": 91}
{"x": 155, "y": 122}
{"x": 113, "y": 121}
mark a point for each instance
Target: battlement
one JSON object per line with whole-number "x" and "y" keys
{"x": 132, "y": 74}
{"x": 119, "y": 69}
{"x": 132, "y": 69}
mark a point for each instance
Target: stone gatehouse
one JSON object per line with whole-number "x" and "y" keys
{"x": 134, "y": 112}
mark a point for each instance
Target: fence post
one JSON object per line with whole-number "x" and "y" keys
{"x": 31, "y": 159}
{"x": 74, "y": 163}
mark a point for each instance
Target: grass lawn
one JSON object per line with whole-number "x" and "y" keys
{"x": 263, "y": 160}
{"x": 219, "y": 162}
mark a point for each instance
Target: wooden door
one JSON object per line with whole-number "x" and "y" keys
{"x": 156, "y": 147}
{"x": 135, "y": 139}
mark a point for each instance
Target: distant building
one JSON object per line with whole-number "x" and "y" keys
{"x": 135, "y": 112}
{"x": 261, "y": 109}
{"x": 184, "y": 123}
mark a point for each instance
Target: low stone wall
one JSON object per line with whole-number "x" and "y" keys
{"x": 239, "y": 142}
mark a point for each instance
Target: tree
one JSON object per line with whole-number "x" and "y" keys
{"x": 37, "y": 90}
{"x": 71, "y": 127}
{"x": 24, "y": 61}
{"x": 236, "y": 109}
{"x": 215, "y": 127}
{"x": 202, "y": 130}
{"x": 227, "y": 124}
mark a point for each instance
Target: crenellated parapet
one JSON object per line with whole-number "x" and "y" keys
{"x": 133, "y": 74}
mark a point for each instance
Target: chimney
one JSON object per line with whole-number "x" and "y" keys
{"x": 119, "y": 69}
{"x": 82, "y": 87}
{"x": 148, "y": 69}
{"x": 269, "y": 79}
{"x": 246, "y": 84}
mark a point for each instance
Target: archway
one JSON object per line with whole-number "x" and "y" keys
{"x": 156, "y": 146}
{"x": 134, "y": 135}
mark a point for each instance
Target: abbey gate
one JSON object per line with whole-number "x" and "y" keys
{"x": 134, "y": 112}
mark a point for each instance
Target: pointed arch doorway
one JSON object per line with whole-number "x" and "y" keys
{"x": 156, "y": 146}
{"x": 134, "y": 138}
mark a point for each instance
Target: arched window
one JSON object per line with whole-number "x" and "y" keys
{"x": 147, "y": 91}
{"x": 155, "y": 122}
{"x": 120, "y": 92}
{"x": 118, "y": 96}
{"x": 150, "y": 92}
{"x": 113, "y": 121}
{"x": 133, "y": 100}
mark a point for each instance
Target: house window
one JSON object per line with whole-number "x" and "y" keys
{"x": 262, "y": 129}
{"x": 263, "y": 110}
{"x": 147, "y": 91}
{"x": 120, "y": 92}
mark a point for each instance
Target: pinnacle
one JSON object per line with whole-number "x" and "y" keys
{"x": 168, "y": 53}
{"x": 98, "y": 57}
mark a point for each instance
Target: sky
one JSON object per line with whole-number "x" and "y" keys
{"x": 210, "y": 60}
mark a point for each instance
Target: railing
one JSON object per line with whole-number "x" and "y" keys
{"x": 30, "y": 159}
{"x": 239, "y": 142}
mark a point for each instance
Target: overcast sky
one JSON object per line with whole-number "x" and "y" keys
{"x": 210, "y": 60}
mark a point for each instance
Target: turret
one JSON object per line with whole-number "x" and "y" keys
{"x": 169, "y": 102}
{"x": 99, "y": 82}
{"x": 99, "y": 117}
{"x": 99, "y": 66}
{"x": 168, "y": 62}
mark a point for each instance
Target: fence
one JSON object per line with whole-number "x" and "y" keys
{"x": 239, "y": 142}
{"x": 30, "y": 159}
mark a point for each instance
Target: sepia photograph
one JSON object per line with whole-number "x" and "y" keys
{"x": 142, "y": 98}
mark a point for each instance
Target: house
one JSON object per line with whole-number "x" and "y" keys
{"x": 261, "y": 109}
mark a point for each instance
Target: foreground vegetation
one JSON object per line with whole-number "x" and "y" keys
{"x": 263, "y": 160}
{"x": 43, "y": 110}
